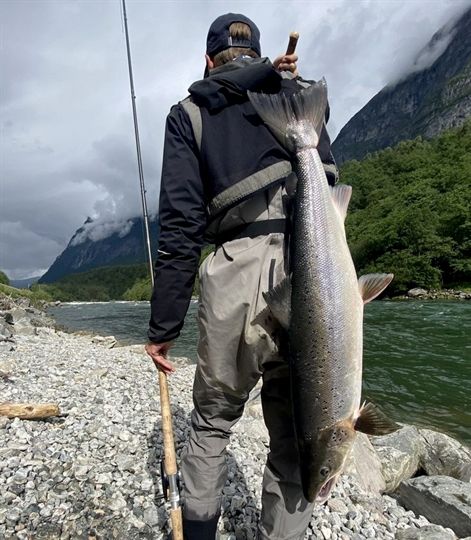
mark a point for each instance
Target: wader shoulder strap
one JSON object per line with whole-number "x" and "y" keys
{"x": 194, "y": 114}
{"x": 250, "y": 185}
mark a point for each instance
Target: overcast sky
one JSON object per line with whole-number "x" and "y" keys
{"x": 67, "y": 140}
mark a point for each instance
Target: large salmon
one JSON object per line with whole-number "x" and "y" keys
{"x": 321, "y": 304}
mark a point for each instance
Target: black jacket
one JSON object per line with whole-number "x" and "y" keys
{"x": 235, "y": 144}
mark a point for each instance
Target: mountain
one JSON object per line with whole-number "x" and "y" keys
{"x": 24, "y": 283}
{"x": 120, "y": 248}
{"x": 425, "y": 103}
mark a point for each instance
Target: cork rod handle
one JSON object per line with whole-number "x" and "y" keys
{"x": 293, "y": 41}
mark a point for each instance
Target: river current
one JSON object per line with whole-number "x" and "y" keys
{"x": 417, "y": 357}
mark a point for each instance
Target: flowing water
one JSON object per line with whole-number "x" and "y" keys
{"x": 417, "y": 359}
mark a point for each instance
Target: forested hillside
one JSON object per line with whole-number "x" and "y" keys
{"x": 410, "y": 212}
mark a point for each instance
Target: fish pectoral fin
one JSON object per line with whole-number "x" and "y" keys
{"x": 371, "y": 285}
{"x": 341, "y": 194}
{"x": 373, "y": 421}
{"x": 278, "y": 300}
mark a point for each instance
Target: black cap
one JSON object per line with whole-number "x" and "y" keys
{"x": 219, "y": 37}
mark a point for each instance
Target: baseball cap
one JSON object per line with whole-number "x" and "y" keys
{"x": 219, "y": 37}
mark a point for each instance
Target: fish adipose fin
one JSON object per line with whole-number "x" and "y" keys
{"x": 296, "y": 120}
{"x": 373, "y": 421}
{"x": 371, "y": 285}
{"x": 341, "y": 194}
{"x": 278, "y": 300}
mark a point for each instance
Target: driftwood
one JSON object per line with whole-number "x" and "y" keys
{"x": 29, "y": 411}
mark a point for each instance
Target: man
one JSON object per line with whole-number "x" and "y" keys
{"x": 226, "y": 180}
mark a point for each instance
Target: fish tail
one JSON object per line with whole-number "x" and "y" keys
{"x": 296, "y": 120}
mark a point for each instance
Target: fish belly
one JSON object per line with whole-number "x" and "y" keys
{"x": 327, "y": 309}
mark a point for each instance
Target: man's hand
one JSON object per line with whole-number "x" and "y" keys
{"x": 287, "y": 62}
{"x": 158, "y": 353}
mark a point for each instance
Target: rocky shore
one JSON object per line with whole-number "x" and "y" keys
{"x": 95, "y": 471}
{"x": 436, "y": 294}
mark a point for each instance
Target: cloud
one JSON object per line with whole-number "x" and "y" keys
{"x": 98, "y": 231}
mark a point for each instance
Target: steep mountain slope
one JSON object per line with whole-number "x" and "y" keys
{"x": 116, "y": 249}
{"x": 425, "y": 103}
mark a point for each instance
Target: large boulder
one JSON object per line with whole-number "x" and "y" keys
{"x": 444, "y": 455}
{"x": 428, "y": 532}
{"x": 442, "y": 500}
{"x": 417, "y": 293}
{"x": 365, "y": 465}
{"x": 400, "y": 454}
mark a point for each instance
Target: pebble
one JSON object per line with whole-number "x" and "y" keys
{"x": 96, "y": 472}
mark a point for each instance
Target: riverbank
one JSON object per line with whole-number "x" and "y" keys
{"x": 435, "y": 294}
{"x": 95, "y": 473}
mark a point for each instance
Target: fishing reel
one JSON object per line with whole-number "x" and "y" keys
{"x": 170, "y": 484}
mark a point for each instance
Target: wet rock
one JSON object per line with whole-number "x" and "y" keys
{"x": 444, "y": 455}
{"x": 441, "y": 499}
{"x": 429, "y": 532}
{"x": 417, "y": 293}
{"x": 400, "y": 454}
{"x": 365, "y": 464}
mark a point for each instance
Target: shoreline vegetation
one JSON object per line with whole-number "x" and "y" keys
{"x": 94, "y": 472}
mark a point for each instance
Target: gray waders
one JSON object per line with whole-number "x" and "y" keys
{"x": 233, "y": 354}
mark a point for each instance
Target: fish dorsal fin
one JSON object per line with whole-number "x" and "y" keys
{"x": 278, "y": 300}
{"x": 341, "y": 194}
{"x": 373, "y": 421}
{"x": 371, "y": 285}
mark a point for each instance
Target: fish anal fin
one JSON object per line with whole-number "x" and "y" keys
{"x": 278, "y": 300}
{"x": 341, "y": 194}
{"x": 371, "y": 285}
{"x": 373, "y": 421}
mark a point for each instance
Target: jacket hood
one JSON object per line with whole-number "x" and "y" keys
{"x": 229, "y": 83}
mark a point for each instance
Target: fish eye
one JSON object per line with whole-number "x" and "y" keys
{"x": 324, "y": 471}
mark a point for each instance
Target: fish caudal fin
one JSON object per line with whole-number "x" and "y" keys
{"x": 341, "y": 194}
{"x": 296, "y": 120}
{"x": 373, "y": 421}
{"x": 278, "y": 300}
{"x": 371, "y": 285}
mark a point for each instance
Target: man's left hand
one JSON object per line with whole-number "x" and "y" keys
{"x": 287, "y": 62}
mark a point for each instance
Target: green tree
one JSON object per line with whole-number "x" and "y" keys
{"x": 4, "y": 278}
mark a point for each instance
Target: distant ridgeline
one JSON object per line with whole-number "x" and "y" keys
{"x": 129, "y": 282}
{"x": 98, "y": 285}
{"x": 424, "y": 103}
{"x": 85, "y": 253}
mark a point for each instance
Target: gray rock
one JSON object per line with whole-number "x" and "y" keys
{"x": 444, "y": 455}
{"x": 107, "y": 341}
{"x": 366, "y": 466}
{"x": 429, "y": 532}
{"x": 151, "y": 516}
{"x": 441, "y": 499}
{"x": 416, "y": 293}
{"x": 5, "y": 330}
{"x": 13, "y": 316}
{"x": 400, "y": 454}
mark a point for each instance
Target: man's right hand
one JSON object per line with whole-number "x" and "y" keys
{"x": 158, "y": 353}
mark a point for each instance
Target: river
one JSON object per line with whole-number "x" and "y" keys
{"x": 417, "y": 359}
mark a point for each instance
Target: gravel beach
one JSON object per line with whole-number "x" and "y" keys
{"x": 95, "y": 473}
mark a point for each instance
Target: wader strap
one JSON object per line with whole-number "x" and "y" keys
{"x": 194, "y": 113}
{"x": 249, "y": 186}
{"x": 251, "y": 230}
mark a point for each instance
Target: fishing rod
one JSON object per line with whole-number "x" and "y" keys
{"x": 169, "y": 472}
